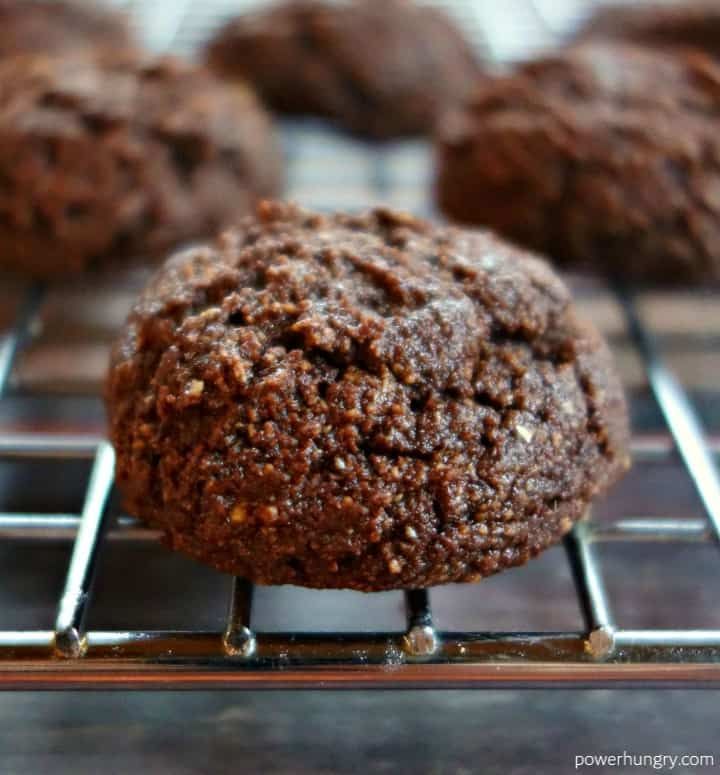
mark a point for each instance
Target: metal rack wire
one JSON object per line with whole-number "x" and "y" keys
{"x": 601, "y": 653}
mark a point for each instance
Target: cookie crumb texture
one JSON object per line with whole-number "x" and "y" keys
{"x": 364, "y": 402}
{"x": 604, "y": 157}
{"x": 101, "y": 156}
{"x": 380, "y": 68}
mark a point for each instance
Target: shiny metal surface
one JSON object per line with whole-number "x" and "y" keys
{"x": 594, "y": 601}
{"x": 69, "y": 638}
{"x": 679, "y": 413}
{"x": 12, "y": 339}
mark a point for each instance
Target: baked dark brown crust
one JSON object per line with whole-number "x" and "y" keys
{"x": 54, "y": 26}
{"x": 604, "y": 156}
{"x": 381, "y": 68}
{"x": 361, "y": 401}
{"x": 106, "y": 157}
{"x": 694, "y": 24}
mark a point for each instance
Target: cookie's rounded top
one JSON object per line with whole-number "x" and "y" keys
{"x": 603, "y": 155}
{"x": 53, "y": 26}
{"x": 381, "y": 68}
{"x": 102, "y": 155}
{"x": 691, "y": 23}
{"x": 384, "y": 292}
{"x": 361, "y": 401}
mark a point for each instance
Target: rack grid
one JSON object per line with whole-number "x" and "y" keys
{"x": 325, "y": 168}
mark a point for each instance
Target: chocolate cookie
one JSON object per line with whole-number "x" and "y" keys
{"x": 693, "y": 24}
{"x": 52, "y": 26}
{"x": 105, "y": 158}
{"x": 361, "y": 401}
{"x": 604, "y": 156}
{"x": 380, "y": 69}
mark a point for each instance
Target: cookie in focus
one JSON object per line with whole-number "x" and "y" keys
{"x": 361, "y": 401}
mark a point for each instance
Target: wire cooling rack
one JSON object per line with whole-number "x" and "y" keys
{"x": 52, "y": 355}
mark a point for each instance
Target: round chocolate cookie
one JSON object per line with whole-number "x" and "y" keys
{"x": 693, "y": 24}
{"x": 53, "y": 26}
{"x": 362, "y": 402}
{"x": 380, "y": 68}
{"x": 102, "y": 158}
{"x": 603, "y": 156}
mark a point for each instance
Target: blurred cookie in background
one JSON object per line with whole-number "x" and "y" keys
{"x": 694, "y": 24}
{"x": 104, "y": 157}
{"x": 604, "y": 157}
{"x": 47, "y": 27}
{"x": 378, "y": 68}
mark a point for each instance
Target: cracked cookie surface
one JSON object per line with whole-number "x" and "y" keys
{"x": 361, "y": 401}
